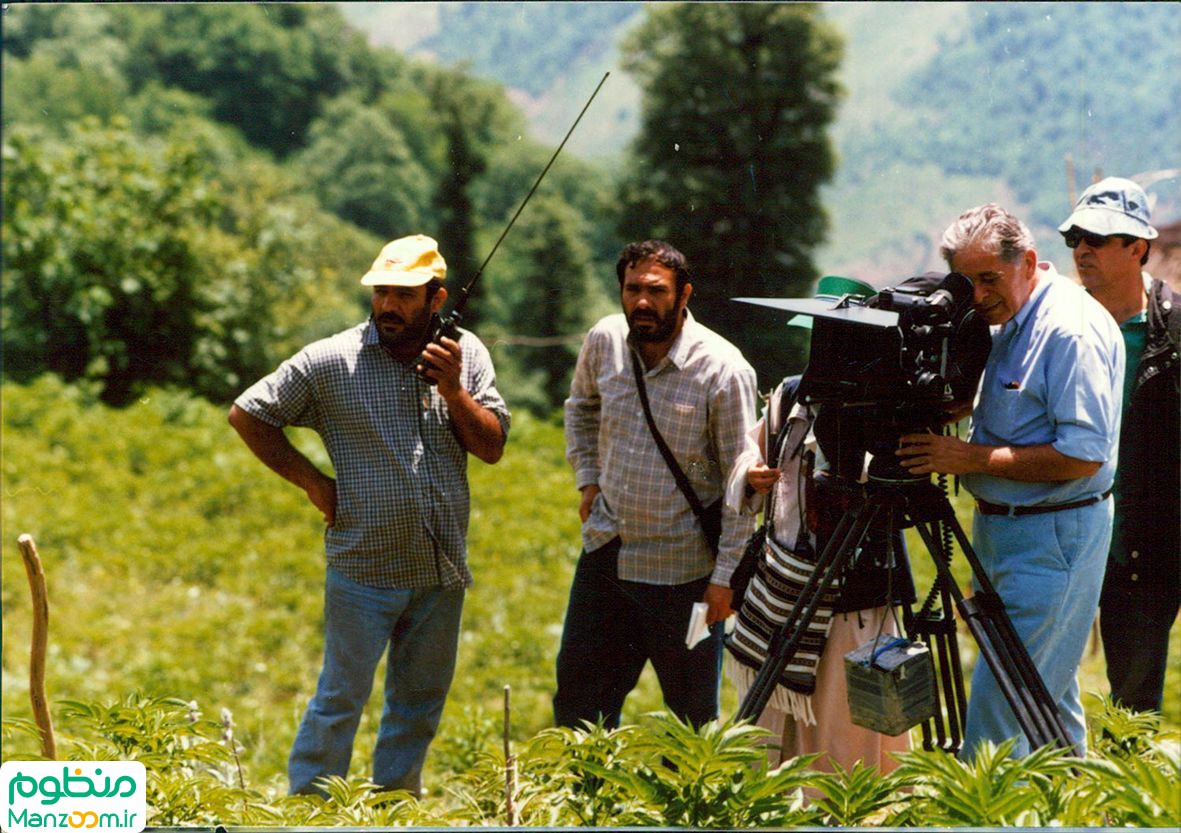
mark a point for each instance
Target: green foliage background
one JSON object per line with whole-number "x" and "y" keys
{"x": 197, "y": 201}
{"x": 178, "y": 567}
{"x": 948, "y": 105}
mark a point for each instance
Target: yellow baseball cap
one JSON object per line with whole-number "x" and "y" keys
{"x": 407, "y": 261}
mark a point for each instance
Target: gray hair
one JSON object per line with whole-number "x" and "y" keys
{"x": 991, "y": 225}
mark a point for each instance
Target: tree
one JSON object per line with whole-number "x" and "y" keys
{"x": 267, "y": 68}
{"x": 102, "y": 267}
{"x": 359, "y": 165}
{"x": 473, "y": 117}
{"x": 731, "y": 153}
{"x": 544, "y": 299}
{"x": 61, "y": 64}
{"x": 127, "y": 265}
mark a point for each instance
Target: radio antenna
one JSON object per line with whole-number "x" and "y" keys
{"x": 466, "y": 291}
{"x": 447, "y": 325}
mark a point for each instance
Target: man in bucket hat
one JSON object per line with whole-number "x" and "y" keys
{"x": 1109, "y": 234}
{"x": 396, "y": 512}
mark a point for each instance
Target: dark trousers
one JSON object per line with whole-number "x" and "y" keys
{"x": 1134, "y": 622}
{"x": 613, "y": 627}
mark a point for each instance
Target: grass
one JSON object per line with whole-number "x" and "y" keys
{"x": 178, "y": 565}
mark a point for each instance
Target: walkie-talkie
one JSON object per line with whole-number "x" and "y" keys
{"x": 446, "y": 325}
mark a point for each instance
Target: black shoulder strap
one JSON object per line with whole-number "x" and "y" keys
{"x": 665, "y": 451}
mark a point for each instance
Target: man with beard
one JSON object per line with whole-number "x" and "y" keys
{"x": 645, "y": 559}
{"x": 396, "y": 512}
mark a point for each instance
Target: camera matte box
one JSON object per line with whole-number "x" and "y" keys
{"x": 892, "y": 691}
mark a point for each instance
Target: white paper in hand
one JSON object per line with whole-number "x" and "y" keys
{"x": 698, "y": 630}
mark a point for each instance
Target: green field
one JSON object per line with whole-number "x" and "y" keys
{"x": 178, "y": 565}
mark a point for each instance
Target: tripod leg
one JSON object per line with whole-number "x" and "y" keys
{"x": 949, "y": 655}
{"x": 958, "y": 714}
{"x": 939, "y": 636}
{"x": 1007, "y": 658}
{"x": 841, "y": 545}
{"x": 936, "y": 627}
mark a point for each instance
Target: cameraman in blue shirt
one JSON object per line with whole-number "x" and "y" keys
{"x": 1040, "y": 459}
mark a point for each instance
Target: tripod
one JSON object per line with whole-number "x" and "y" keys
{"x": 924, "y": 506}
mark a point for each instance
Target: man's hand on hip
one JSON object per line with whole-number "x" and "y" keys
{"x": 322, "y": 493}
{"x": 588, "y": 498}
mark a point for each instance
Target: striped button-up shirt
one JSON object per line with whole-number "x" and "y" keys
{"x": 401, "y": 476}
{"x": 702, "y": 396}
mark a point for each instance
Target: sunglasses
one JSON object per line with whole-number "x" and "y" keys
{"x": 1095, "y": 241}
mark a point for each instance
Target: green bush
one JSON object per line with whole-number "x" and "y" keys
{"x": 659, "y": 773}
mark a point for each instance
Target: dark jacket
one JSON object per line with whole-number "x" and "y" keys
{"x": 1150, "y": 450}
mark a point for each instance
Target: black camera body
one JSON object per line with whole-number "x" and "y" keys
{"x": 915, "y": 357}
{"x": 889, "y": 365}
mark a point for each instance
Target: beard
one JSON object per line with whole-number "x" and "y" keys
{"x": 412, "y": 335}
{"x": 661, "y": 327}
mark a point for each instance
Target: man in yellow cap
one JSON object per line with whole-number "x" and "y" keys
{"x": 396, "y": 512}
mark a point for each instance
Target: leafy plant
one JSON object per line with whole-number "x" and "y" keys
{"x": 856, "y": 797}
{"x": 991, "y": 790}
{"x": 659, "y": 772}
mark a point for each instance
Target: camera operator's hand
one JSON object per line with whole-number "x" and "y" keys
{"x": 936, "y": 454}
{"x": 761, "y": 478}
{"x": 718, "y": 598}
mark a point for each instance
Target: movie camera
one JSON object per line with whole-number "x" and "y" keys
{"x": 892, "y": 364}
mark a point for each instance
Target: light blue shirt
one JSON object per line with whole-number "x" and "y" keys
{"x": 1055, "y": 376}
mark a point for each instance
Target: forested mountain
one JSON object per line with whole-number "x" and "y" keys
{"x": 947, "y": 104}
{"x": 191, "y": 190}
{"x": 280, "y": 144}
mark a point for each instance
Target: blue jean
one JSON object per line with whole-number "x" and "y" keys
{"x": 613, "y": 627}
{"x": 421, "y": 628}
{"x": 1048, "y": 571}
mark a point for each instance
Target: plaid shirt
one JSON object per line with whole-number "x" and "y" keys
{"x": 401, "y": 476}
{"x": 702, "y": 396}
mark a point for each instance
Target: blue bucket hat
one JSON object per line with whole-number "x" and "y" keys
{"x": 1112, "y": 206}
{"x": 832, "y": 288}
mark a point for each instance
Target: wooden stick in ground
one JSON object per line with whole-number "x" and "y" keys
{"x": 510, "y": 767}
{"x": 40, "y": 641}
